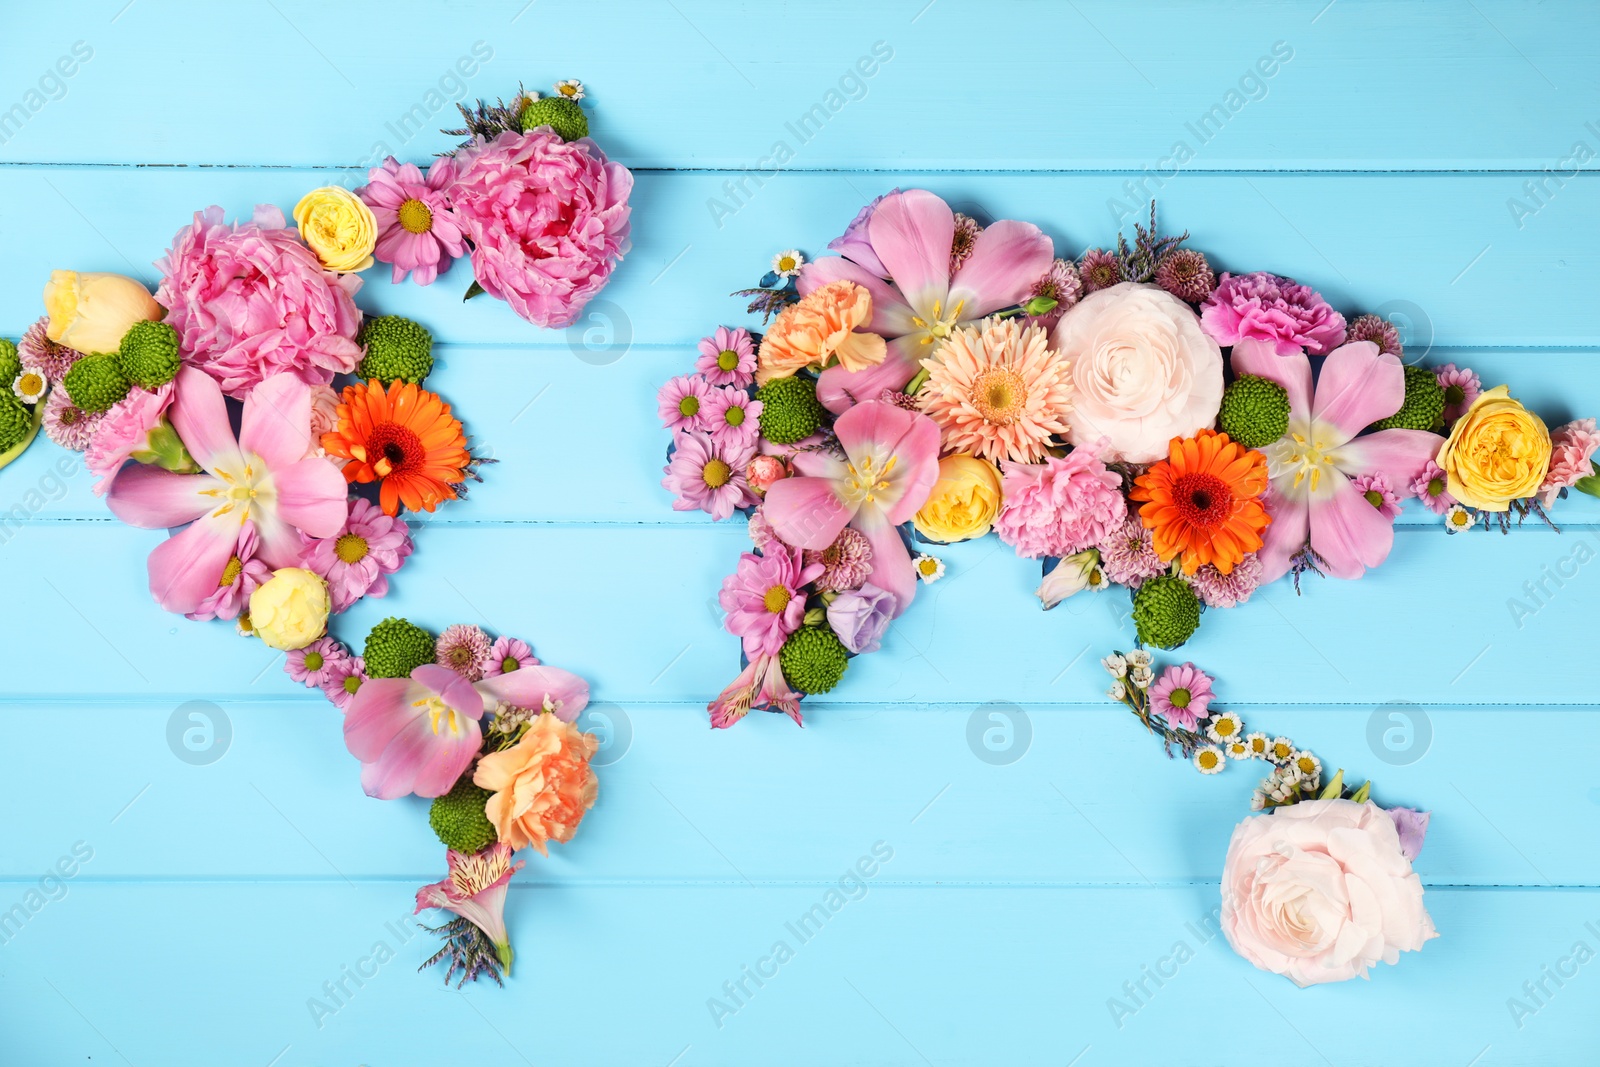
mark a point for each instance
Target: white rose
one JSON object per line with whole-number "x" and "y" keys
{"x": 1143, "y": 371}
{"x": 1320, "y": 891}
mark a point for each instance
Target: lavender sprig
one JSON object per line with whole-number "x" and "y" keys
{"x": 469, "y": 950}
{"x": 1149, "y": 249}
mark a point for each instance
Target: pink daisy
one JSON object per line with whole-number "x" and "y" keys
{"x": 1128, "y": 555}
{"x": 1098, "y": 270}
{"x": 358, "y": 559}
{"x": 465, "y": 649}
{"x": 1375, "y": 487}
{"x": 1379, "y": 331}
{"x": 1182, "y": 695}
{"x": 731, "y": 416}
{"x": 417, "y": 230}
{"x": 313, "y": 665}
{"x": 708, "y": 477}
{"x": 1220, "y": 590}
{"x": 1429, "y": 487}
{"x": 241, "y": 577}
{"x": 764, "y": 598}
{"x": 1061, "y": 284}
{"x": 847, "y": 563}
{"x": 52, "y": 360}
{"x": 67, "y": 424}
{"x": 344, "y": 678}
{"x": 508, "y": 654}
{"x": 681, "y": 403}
{"x": 1461, "y": 387}
{"x": 727, "y": 357}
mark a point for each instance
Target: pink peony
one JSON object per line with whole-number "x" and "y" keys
{"x": 1572, "y": 449}
{"x": 417, "y": 230}
{"x": 1060, "y": 506}
{"x": 250, "y": 300}
{"x": 123, "y": 430}
{"x": 1289, "y": 316}
{"x": 548, "y": 220}
{"x": 358, "y": 559}
{"x": 765, "y": 598}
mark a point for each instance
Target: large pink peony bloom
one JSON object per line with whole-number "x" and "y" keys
{"x": 548, "y": 220}
{"x": 1265, "y": 307}
{"x": 251, "y": 300}
{"x": 1060, "y": 506}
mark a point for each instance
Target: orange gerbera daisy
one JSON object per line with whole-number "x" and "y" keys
{"x": 1203, "y": 502}
{"x": 405, "y": 438}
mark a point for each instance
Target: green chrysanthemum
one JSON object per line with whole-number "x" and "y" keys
{"x": 790, "y": 410}
{"x": 397, "y": 349}
{"x": 1166, "y": 612}
{"x": 1423, "y": 407}
{"x": 459, "y": 820}
{"x": 95, "y": 383}
{"x": 557, "y": 112}
{"x": 395, "y": 648}
{"x": 10, "y": 364}
{"x": 1255, "y": 411}
{"x": 148, "y": 355}
{"x": 16, "y": 422}
{"x": 813, "y": 659}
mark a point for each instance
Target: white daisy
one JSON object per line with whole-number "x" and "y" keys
{"x": 1281, "y": 750}
{"x": 1259, "y": 744}
{"x": 1209, "y": 759}
{"x": 1115, "y": 665}
{"x": 787, "y": 264}
{"x": 572, "y": 90}
{"x": 1237, "y": 750}
{"x": 1308, "y": 766}
{"x": 29, "y": 386}
{"x": 1459, "y": 518}
{"x": 929, "y": 568}
{"x": 1225, "y": 727}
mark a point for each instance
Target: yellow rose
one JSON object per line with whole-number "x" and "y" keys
{"x": 91, "y": 312}
{"x": 340, "y": 229}
{"x": 290, "y": 609}
{"x": 1497, "y": 452}
{"x": 963, "y": 502}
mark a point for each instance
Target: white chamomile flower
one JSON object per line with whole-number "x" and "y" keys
{"x": 1280, "y": 750}
{"x": 929, "y": 568}
{"x": 1459, "y": 518}
{"x": 1306, "y": 765}
{"x": 1140, "y": 657}
{"x": 1225, "y": 727}
{"x": 572, "y": 90}
{"x": 30, "y": 385}
{"x": 1115, "y": 665}
{"x": 1209, "y": 759}
{"x": 1141, "y": 677}
{"x": 1237, "y": 750}
{"x": 787, "y": 264}
{"x": 1118, "y": 691}
{"x": 1259, "y": 744}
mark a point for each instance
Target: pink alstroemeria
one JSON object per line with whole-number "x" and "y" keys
{"x": 1310, "y": 497}
{"x": 761, "y": 685}
{"x": 262, "y": 477}
{"x": 475, "y": 889}
{"x": 891, "y": 464}
{"x": 419, "y": 734}
{"x": 910, "y": 234}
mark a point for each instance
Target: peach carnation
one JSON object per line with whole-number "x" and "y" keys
{"x": 819, "y": 328}
{"x": 998, "y": 390}
{"x": 543, "y": 785}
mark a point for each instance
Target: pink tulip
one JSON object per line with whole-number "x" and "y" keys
{"x": 419, "y": 734}
{"x": 1310, "y": 496}
{"x": 909, "y": 234}
{"x": 262, "y": 477}
{"x": 891, "y": 464}
{"x": 475, "y": 889}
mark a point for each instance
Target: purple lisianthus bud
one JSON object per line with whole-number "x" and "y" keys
{"x": 861, "y": 617}
{"x": 1412, "y": 826}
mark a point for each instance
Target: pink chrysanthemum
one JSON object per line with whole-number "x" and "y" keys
{"x": 731, "y": 416}
{"x": 242, "y": 575}
{"x": 1430, "y": 488}
{"x": 727, "y": 357}
{"x": 1461, "y": 387}
{"x": 1380, "y": 331}
{"x": 1375, "y": 487}
{"x": 681, "y": 403}
{"x": 358, "y": 559}
{"x": 344, "y": 678}
{"x": 1061, "y": 284}
{"x": 1097, "y": 270}
{"x": 1060, "y": 506}
{"x": 463, "y": 648}
{"x": 706, "y": 476}
{"x": 67, "y": 424}
{"x": 997, "y": 390}
{"x": 847, "y": 563}
{"x": 765, "y": 599}
{"x": 417, "y": 230}
{"x": 1186, "y": 275}
{"x": 508, "y": 654}
{"x": 1182, "y": 696}
{"x": 314, "y": 664}
{"x": 1265, "y": 307}
{"x": 1128, "y": 554}
{"x": 37, "y": 350}
{"x": 1229, "y": 590}
{"x": 123, "y": 430}
{"x": 1572, "y": 449}
{"x": 961, "y": 242}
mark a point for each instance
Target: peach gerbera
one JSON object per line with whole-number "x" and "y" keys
{"x": 1203, "y": 502}
{"x": 542, "y": 785}
{"x": 404, "y": 438}
{"x": 997, "y": 390}
{"x": 819, "y": 328}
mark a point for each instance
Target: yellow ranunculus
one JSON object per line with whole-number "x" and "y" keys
{"x": 963, "y": 502}
{"x": 1497, "y": 452}
{"x": 91, "y": 312}
{"x": 290, "y": 609}
{"x": 340, "y": 229}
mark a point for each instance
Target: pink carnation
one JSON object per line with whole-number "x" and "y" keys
{"x": 1060, "y": 506}
{"x": 548, "y": 220}
{"x": 1572, "y": 449}
{"x": 1265, "y": 307}
{"x": 250, "y": 300}
{"x": 123, "y": 430}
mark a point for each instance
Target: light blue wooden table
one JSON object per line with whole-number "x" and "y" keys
{"x": 1427, "y": 160}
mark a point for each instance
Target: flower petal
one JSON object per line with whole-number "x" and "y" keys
{"x": 277, "y": 420}
{"x": 1358, "y": 385}
{"x": 1398, "y": 455}
{"x": 890, "y": 314}
{"x": 1293, "y": 372}
{"x": 157, "y": 499}
{"x": 450, "y": 687}
{"x": 187, "y": 567}
{"x": 1286, "y": 534}
{"x": 912, "y": 233}
{"x": 890, "y": 434}
{"x": 311, "y": 496}
{"x": 381, "y": 708}
{"x": 892, "y": 569}
{"x": 200, "y": 416}
{"x": 1007, "y": 259}
{"x": 838, "y": 389}
{"x": 805, "y": 512}
{"x": 527, "y": 687}
{"x": 1348, "y": 532}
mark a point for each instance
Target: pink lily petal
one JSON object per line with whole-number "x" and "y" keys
{"x": 277, "y": 421}
{"x": 277, "y": 543}
{"x": 1285, "y": 535}
{"x": 390, "y": 728}
{"x": 450, "y": 687}
{"x": 373, "y": 719}
{"x": 906, "y": 441}
{"x": 820, "y": 464}
{"x": 187, "y": 567}
{"x": 1358, "y": 386}
{"x": 805, "y": 511}
{"x": 1007, "y": 259}
{"x": 890, "y": 315}
{"x": 200, "y": 416}
{"x": 527, "y": 687}
{"x": 1398, "y": 455}
{"x": 839, "y": 389}
{"x": 1293, "y": 372}
{"x": 1349, "y": 533}
{"x": 311, "y": 495}
{"x": 892, "y": 569}
{"x": 912, "y": 233}
{"x": 157, "y": 499}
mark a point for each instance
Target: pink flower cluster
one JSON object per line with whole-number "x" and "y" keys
{"x": 1264, "y": 307}
{"x": 1572, "y": 449}
{"x": 1060, "y": 506}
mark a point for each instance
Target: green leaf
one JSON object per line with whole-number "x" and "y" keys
{"x": 473, "y": 290}
{"x": 1591, "y": 483}
{"x": 1040, "y": 305}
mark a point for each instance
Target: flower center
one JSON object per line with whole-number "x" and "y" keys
{"x": 777, "y": 599}
{"x": 689, "y": 406}
{"x": 1179, "y": 698}
{"x": 313, "y": 661}
{"x": 1204, "y": 500}
{"x": 786, "y": 263}
{"x": 939, "y": 326}
{"x": 716, "y": 473}
{"x": 1454, "y": 394}
{"x": 928, "y": 566}
{"x": 70, "y": 416}
{"x": 1208, "y": 760}
{"x": 1224, "y": 727}
{"x": 1460, "y": 518}
{"x": 415, "y": 216}
{"x": 1102, "y": 275}
{"x": 727, "y": 360}
{"x": 1374, "y": 498}
{"x": 1307, "y": 457}
{"x": 458, "y": 657}
{"x": 1435, "y": 486}
{"x": 734, "y": 416}
{"x": 398, "y": 448}
{"x": 999, "y": 395}
{"x": 230, "y": 573}
{"x": 350, "y": 548}
{"x": 29, "y": 383}
{"x": 509, "y": 664}
{"x": 443, "y": 720}
{"x": 352, "y": 682}
{"x": 866, "y": 481}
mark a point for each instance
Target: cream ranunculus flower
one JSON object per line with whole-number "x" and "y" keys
{"x": 290, "y": 609}
{"x": 1320, "y": 891}
{"x": 1497, "y": 452}
{"x": 1143, "y": 371}
{"x": 963, "y": 502}
{"x": 91, "y": 312}
{"x": 338, "y": 227}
